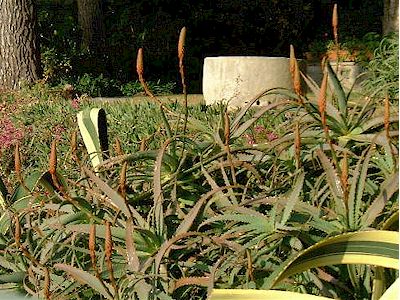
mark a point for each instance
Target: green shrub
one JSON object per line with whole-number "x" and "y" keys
{"x": 97, "y": 86}
{"x": 134, "y": 87}
{"x": 383, "y": 70}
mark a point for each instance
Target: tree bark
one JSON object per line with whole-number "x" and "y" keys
{"x": 90, "y": 18}
{"x": 19, "y": 49}
{"x": 390, "y": 22}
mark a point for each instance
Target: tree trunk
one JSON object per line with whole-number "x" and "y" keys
{"x": 90, "y": 18}
{"x": 390, "y": 22}
{"x": 19, "y": 50}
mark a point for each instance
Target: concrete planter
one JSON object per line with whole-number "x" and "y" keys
{"x": 237, "y": 79}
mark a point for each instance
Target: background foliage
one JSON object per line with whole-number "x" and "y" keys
{"x": 262, "y": 27}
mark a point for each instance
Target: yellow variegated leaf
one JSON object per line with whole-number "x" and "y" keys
{"x": 218, "y": 294}
{"x": 378, "y": 248}
{"x": 93, "y": 128}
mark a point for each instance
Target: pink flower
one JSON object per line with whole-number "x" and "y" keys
{"x": 75, "y": 103}
{"x": 58, "y": 131}
{"x": 9, "y": 134}
{"x": 249, "y": 139}
{"x": 259, "y": 128}
{"x": 272, "y": 136}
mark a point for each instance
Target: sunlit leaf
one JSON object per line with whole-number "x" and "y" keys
{"x": 86, "y": 278}
{"x": 292, "y": 198}
{"x": 390, "y": 187}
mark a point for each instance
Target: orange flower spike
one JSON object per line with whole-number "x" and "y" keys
{"x": 296, "y": 81}
{"x": 227, "y": 129}
{"x": 387, "y": 114}
{"x": 118, "y": 147}
{"x": 297, "y": 144}
{"x": 292, "y": 61}
{"x": 295, "y": 72}
{"x": 335, "y": 23}
{"x": 345, "y": 177}
{"x": 322, "y": 99}
{"x": 17, "y": 161}
{"x": 53, "y": 158}
{"x": 17, "y": 231}
{"x": 181, "y": 44}
{"x": 139, "y": 62}
{"x": 92, "y": 244}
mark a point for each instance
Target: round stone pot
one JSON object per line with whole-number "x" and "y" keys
{"x": 238, "y": 79}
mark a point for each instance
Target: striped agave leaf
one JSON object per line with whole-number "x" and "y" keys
{"x": 93, "y": 128}
{"x": 222, "y": 294}
{"x": 392, "y": 292}
{"x": 378, "y": 248}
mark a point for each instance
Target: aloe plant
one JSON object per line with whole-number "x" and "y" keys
{"x": 190, "y": 210}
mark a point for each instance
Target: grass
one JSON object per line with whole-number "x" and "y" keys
{"x": 193, "y": 99}
{"x": 41, "y": 115}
